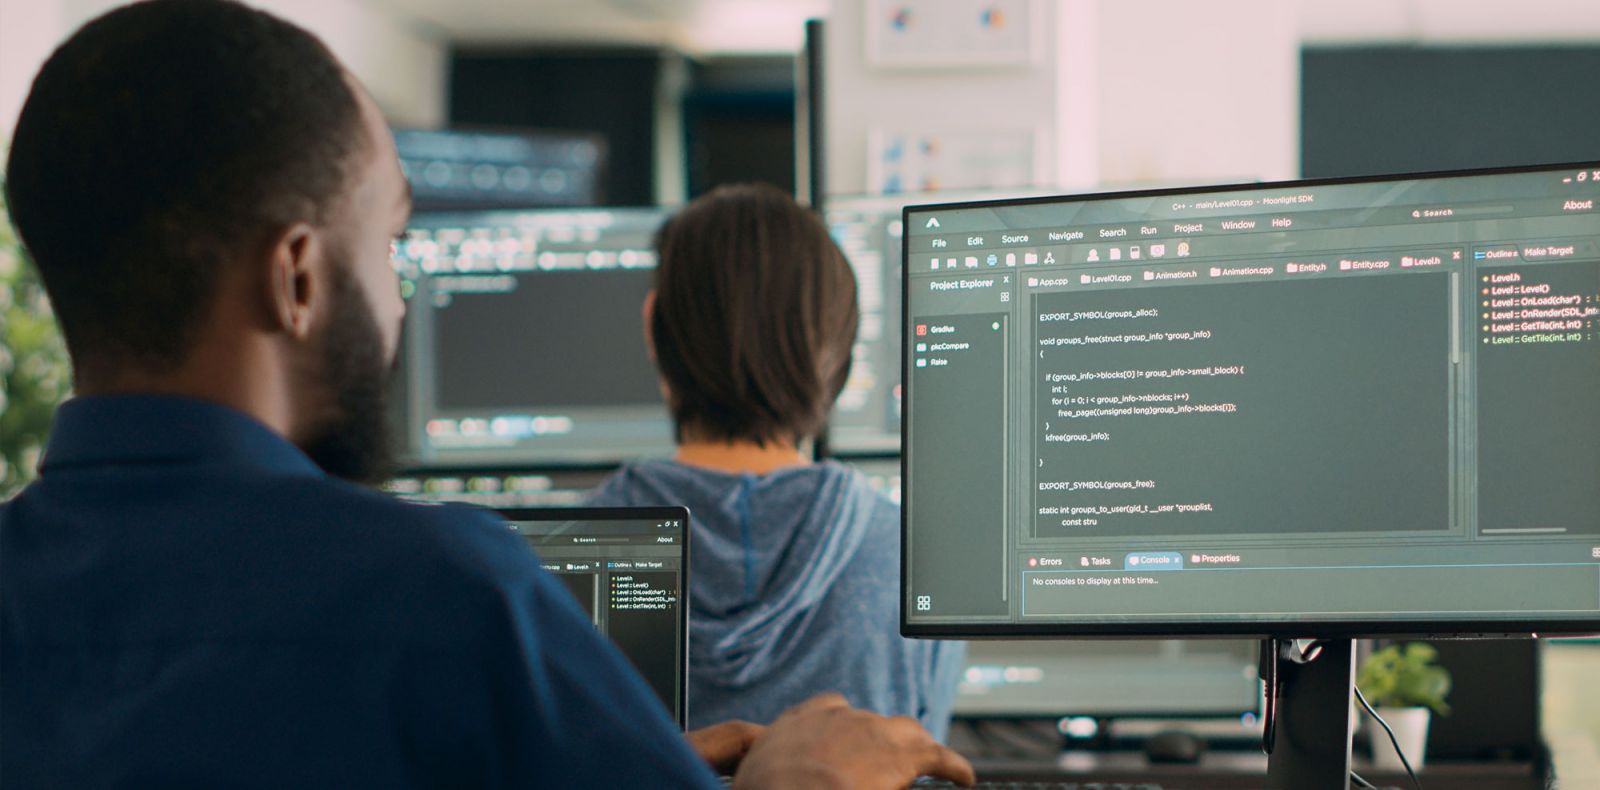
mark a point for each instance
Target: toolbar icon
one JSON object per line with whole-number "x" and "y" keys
{"x": 1094, "y": 255}
{"x": 1030, "y": 258}
{"x": 1116, "y": 253}
{"x": 1133, "y": 252}
{"x": 1158, "y": 250}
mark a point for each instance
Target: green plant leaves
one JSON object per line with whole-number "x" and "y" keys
{"x": 1405, "y": 676}
{"x": 35, "y": 373}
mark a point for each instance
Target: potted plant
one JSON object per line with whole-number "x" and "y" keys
{"x": 1405, "y": 686}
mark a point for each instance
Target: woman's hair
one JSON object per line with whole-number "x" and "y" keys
{"x": 755, "y": 317}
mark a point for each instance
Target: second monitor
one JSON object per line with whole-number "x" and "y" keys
{"x": 524, "y": 340}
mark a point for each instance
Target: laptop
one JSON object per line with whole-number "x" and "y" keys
{"x": 628, "y": 567}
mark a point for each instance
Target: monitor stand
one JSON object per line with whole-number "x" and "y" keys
{"x": 1308, "y": 716}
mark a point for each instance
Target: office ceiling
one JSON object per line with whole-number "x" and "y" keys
{"x": 774, "y": 26}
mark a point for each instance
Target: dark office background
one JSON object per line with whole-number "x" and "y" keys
{"x": 1369, "y": 110}
{"x": 738, "y": 113}
{"x": 610, "y": 92}
{"x": 738, "y": 123}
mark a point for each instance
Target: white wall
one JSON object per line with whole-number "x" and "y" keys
{"x": 859, "y": 97}
{"x": 29, "y": 30}
{"x": 1126, "y": 92}
{"x": 403, "y": 64}
{"x": 1198, "y": 92}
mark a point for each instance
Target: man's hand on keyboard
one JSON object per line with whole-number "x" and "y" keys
{"x": 825, "y": 743}
{"x": 724, "y": 745}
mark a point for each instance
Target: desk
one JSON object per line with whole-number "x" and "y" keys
{"x": 1247, "y": 771}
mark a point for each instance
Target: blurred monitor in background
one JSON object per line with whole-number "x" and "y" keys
{"x": 524, "y": 341}
{"x": 462, "y": 170}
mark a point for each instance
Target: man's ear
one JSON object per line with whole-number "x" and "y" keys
{"x": 294, "y": 281}
{"x": 649, "y": 312}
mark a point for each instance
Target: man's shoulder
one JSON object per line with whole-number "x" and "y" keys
{"x": 285, "y": 559}
{"x": 471, "y": 540}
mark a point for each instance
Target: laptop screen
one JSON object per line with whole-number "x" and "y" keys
{"x": 627, "y": 567}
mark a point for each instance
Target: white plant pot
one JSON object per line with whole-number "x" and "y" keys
{"x": 1410, "y": 727}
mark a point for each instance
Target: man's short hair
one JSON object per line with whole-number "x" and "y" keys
{"x": 160, "y": 143}
{"x": 755, "y": 316}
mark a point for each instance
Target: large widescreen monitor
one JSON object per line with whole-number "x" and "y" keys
{"x": 1306, "y": 409}
{"x": 524, "y": 342}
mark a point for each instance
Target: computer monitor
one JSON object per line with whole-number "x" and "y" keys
{"x": 498, "y": 487}
{"x": 868, "y": 230}
{"x": 627, "y": 568}
{"x": 866, "y": 417}
{"x": 1111, "y": 679}
{"x": 467, "y": 170}
{"x": 524, "y": 341}
{"x": 1304, "y": 409}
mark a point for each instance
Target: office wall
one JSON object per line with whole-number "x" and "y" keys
{"x": 1197, "y": 92}
{"x": 859, "y": 98}
{"x": 403, "y": 64}
{"x": 28, "y": 32}
{"x": 1125, "y": 91}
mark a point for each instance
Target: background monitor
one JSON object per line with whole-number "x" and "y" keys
{"x": 1169, "y": 678}
{"x": 866, "y": 418}
{"x": 463, "y": 170}
{"x": 1100, "y": 678}
{"x": 498, "y": 487}
{"x": 868, "y": 230}
{"x": 524, "y": 339}
{"x": 1321, "y": 408}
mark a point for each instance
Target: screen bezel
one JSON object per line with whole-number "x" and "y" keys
{"x": 1487, "y": 628}
{"x": 632, "y": 514}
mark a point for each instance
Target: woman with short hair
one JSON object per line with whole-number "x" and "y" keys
{"x": 794, "y": 578}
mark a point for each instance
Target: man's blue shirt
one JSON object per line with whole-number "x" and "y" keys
{"x": 186, "y": 600}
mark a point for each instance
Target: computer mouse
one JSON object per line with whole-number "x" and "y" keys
{"x": 1174, "y": 746}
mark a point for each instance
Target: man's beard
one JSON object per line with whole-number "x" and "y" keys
{"x": 355, "y": 444}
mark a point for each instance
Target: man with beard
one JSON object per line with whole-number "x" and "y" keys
{"x": 194, "y": 592}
